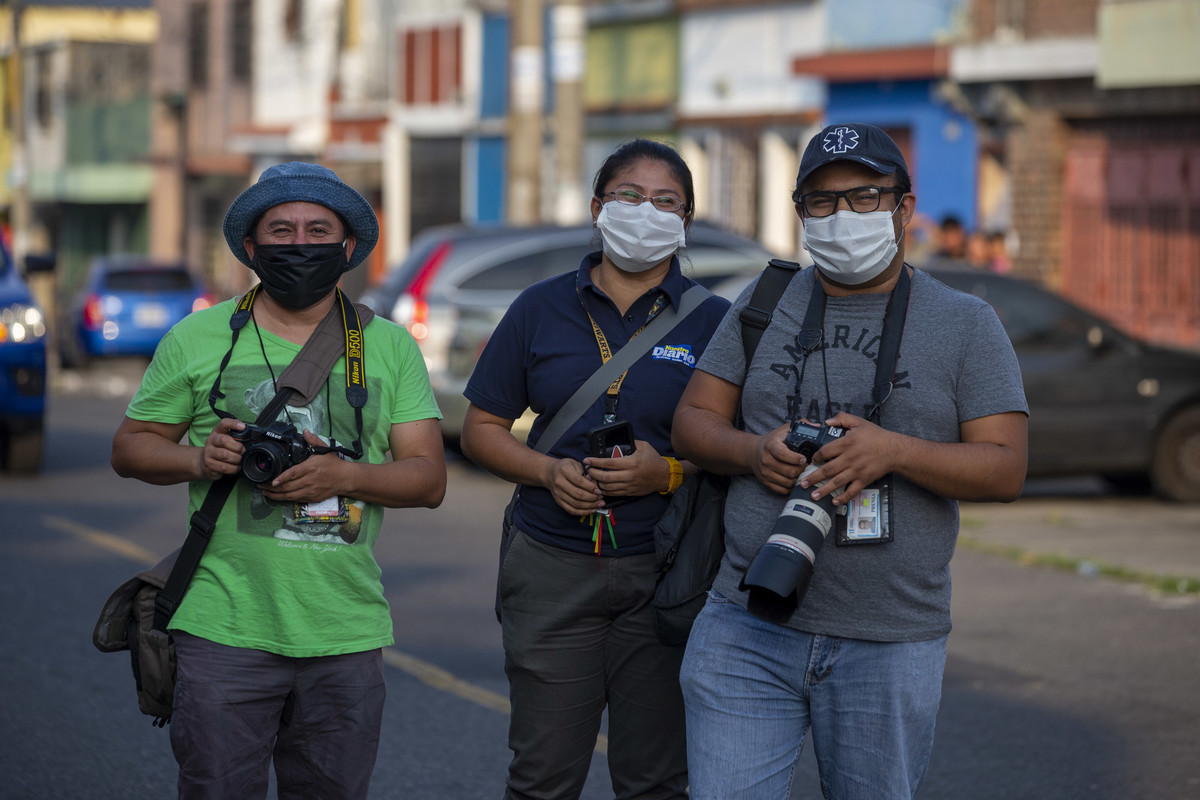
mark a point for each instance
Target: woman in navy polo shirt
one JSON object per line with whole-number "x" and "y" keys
{"x": 578, "y": 576}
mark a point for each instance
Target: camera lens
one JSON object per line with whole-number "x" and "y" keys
{"x": 778, "y": 577}
{"x": 262, "y": 462}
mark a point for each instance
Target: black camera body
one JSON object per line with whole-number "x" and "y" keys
{"x": 806, "y": 438}
{"x": 272, "y": 450}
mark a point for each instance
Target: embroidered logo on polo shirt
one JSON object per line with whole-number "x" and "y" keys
{"x": 679, "y": 353}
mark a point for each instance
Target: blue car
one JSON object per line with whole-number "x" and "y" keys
{"x": 126, "y": 306}
{"x": 22, "y": 372}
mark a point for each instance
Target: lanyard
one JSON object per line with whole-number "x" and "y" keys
{"x": 356, "y": 376}
{"x": 614, "y": 388}
{"x": 812, "y": 334}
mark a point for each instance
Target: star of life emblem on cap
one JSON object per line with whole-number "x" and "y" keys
{"x": 841, "y": 139}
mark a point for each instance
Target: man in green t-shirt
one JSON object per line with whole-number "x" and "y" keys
{"x": 279, "y": 637}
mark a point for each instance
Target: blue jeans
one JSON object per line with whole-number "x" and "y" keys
{"x": 752, "y": 689}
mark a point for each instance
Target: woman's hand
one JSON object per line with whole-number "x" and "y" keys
{"x": 573, "y": 490}
{"x": 642, "y": 473}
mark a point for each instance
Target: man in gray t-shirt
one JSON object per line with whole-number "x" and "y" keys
{"x": 858, "y": 656}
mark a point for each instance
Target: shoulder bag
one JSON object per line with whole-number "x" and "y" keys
{"x": 689, "y": 539}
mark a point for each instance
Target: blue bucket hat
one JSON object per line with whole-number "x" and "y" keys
{"x": 300, "y": 181}
{"x": 853, "y": 141}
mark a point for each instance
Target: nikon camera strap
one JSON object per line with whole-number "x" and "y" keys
{"x": 303, "y": 377}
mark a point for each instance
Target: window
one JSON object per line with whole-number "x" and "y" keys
{"x": 150, "y": 280}
{"x": 430, "y": 65}
{"x": 241, "y": 32}
{"x": 198, "y": 45}
{"x": 44, "y": 98}
{"x": 528, "y": 269}
{"x": 293, "y": 20}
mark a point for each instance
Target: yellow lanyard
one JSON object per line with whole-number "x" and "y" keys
{"x": 614, "y": 388}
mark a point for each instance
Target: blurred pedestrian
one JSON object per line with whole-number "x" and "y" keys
{"x": 578, "y": 575}
{"x": 997, "y": 249}
{"x": 279, "y": 635}
{"x": 952, "y": 238}
{"x": 978, "y": 253}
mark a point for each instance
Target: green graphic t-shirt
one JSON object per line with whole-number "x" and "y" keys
{"x": 271, "y": 579}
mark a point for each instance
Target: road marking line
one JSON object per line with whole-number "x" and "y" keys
{"x": 429, "y": 674}
{"x": 105, "y": 541}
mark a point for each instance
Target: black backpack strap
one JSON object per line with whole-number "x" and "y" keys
{"x": 756, "y": 316}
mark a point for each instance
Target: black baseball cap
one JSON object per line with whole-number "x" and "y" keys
{"x": 852, "y": 141}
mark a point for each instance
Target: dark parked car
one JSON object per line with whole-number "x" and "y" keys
{"x": 22, "y": 371}
{"x": 126, "y": 306}
{"x": 1100, "y": 401}
{"x": 458, "y": 281}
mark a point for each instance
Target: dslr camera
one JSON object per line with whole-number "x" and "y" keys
{"x": 779, "y": 574}
{"x": 271, "y": 450}
{"x": 806, "y": 438}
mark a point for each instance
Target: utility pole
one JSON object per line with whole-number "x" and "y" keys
{"x": 569, "y": 52}
{"x": 523, "y": 196}
{"x": 19, "y": 214}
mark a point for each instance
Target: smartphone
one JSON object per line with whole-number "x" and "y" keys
{"x": 611, "y": 441}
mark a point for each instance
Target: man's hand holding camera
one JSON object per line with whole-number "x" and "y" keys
{"x": 311, "y": 480}
{"x": 222, "y": 453}
{"x": 316, "y": 478}
{"x": 861, "y": 456}
{"x": 775, "y": 464}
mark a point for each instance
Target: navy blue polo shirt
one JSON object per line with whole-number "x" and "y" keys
{"x": 544, "y": 349}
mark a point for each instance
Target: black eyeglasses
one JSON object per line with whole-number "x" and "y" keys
{"x": 663, "y": 202}
{"x": 861, "y": 199}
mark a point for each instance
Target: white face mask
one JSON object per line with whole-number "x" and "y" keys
{"x": 851, "y": 248}
{"x": 637, "y": 238}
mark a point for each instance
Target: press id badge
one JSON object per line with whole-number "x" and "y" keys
{"x": 332, "y": 509}
{"x": 868, "y": 516}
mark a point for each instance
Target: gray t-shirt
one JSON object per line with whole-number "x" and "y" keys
{"x": 955, "y": 364}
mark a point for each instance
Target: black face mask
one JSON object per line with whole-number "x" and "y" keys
{"x": 298, "y": 275}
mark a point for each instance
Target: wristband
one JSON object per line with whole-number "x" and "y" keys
{"x": 676, "y": 474}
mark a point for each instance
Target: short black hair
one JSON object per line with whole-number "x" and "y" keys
{"x": 950, "y": 222}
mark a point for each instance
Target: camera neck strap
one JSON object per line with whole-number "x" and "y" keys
{"x": 309, "y": 370}
{"x": 812, "y": 337}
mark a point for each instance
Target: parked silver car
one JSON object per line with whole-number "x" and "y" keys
{"x": 458, "y": 281}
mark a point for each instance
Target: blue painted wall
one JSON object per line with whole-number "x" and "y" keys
{"x": 489, "y": 151}
{"x": 944, "y": 143}
{"x": 489, "y": 167}
{"x": 493, "y": 82}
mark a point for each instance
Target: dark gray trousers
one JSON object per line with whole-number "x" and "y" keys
{"x": 236, "y": 709}
{"x": 579, "y": 635}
